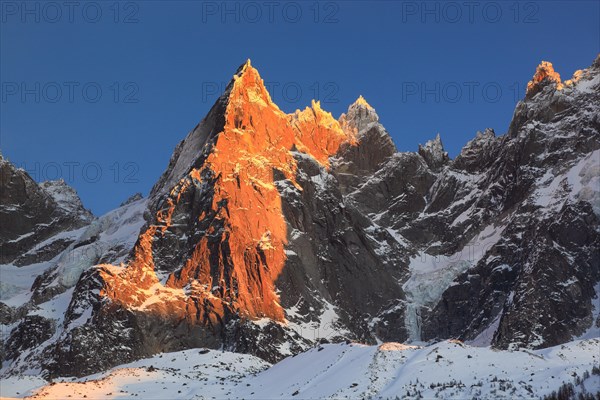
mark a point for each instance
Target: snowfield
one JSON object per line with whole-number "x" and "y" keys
{"x": 448, "y": 369}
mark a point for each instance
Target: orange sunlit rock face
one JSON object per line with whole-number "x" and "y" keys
{"x": 544, "y": 71}
{"x": 574, "y": 79}
{"x": 318, "y": 133}
{"x": 234, "y": 264}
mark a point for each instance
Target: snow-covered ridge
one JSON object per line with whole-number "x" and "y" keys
{"x": 387, "y": 371}
{"x": 66, "y": 197}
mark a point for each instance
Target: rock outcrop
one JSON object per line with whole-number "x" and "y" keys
{"x": 32, "y": 213}
{"x": 544, "y": 74}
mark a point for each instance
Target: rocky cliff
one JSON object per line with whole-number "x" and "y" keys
{"x": 269, "y": 232}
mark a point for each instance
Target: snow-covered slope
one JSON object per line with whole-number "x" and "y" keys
{"x": 448, "y": 369}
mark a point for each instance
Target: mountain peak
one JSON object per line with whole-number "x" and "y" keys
{"x": 242, "y": 68}
{"x": 362, "y": 102}
{"x": 271, "y": 232}
{"x": 248, "y": 85}
{"x": 317, "y": 132}
{"x": 233, "y": 159}
{"x": 434, "y": 154}
{"x": 544, "y": 74}
{"x": 360, "y": 116}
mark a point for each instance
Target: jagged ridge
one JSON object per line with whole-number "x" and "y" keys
{"x": 268, "y": 232}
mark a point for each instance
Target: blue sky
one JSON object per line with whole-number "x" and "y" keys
{"x": 99, "y": 93}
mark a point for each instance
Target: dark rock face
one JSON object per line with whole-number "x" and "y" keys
{"x": 92, "y": 347}
{"x": 65, "y": 241}
{"x": 7, "y": 314}
{"x": 397, "y": 191}
{"x": 557, "y": 278}
{"x": 32, "y": 331}
{"x": 363, "y": 157}
{"x": 479, "y": 154}
{"x": 43, "y": 252}
{"x": 536, "y": 284}
{"x": 434, "y": 154}
{"x": 332, "y": 255}
{"x": 30, "y": 214}
{"x": 270, "y": 232}
{"x": 373, "y": 147}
